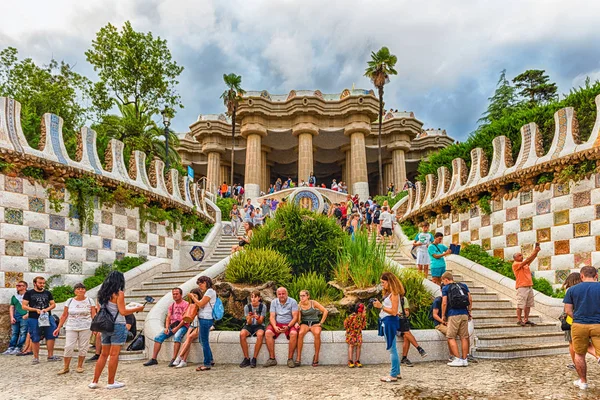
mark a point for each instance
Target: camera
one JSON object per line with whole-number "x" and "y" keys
{"x": 371, "y": 301}
{"x": 149, "y": 299}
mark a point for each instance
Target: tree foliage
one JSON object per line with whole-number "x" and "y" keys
{"x": 231, "y": 99}
{"x": 533, "y": 85}
{"x": 502, "y": 102}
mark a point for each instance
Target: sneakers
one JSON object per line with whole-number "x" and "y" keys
{"x": 9, "y": 351}
{"x": 182, "y": 364}
{"x": 253, "y": 363}
{"x": 580, "y": 385}
{"x": 457, "y": 362}
{"x": 571, "y": 366}
{"x": 271, "y": 362}
{"x": 471, "y": 359}
{"x": 150, "y": 362}
{"x": 116, "y": 385}
{"x": 406, "y": 362}
{"x": 422, "y": 352}
{"x": 93, "y": 358}
{"x": 245, "y": 363}
{"x": 172, "y": 363}
{"x": 27, "y": 353}
{"x": 53, "y": 358}
{"x": 35, "y": 361}
{"x": 93, "y": 385}
{"x": 291, "y": 363}
{"x": 358, "y": 364}
{"x": 350, "y": 364}
{"x": 16, "y": 351}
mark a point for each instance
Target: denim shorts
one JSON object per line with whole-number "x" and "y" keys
{"x": 117, "y": 337}
{"x": 35, "y": 330}
{"x": 161, "y": 337}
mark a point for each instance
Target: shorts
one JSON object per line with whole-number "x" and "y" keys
{"x": 525, "y": 297}
{"x": 386, "y": 232}
{"x": 118, "y": 337}
{"x": 309, "y": 323}
{"x": 252, "y": 329}
{"x": 161, "y": 337}
{"x": 437, "y": 272}
{"x": 458, "y": 325}
{"x": 582, "y": 335}
{"x": 423, "y": 258}
{"x": 442, "y": 328}
{"x": 287, "y": 333}
{"x": 35, "y": 330}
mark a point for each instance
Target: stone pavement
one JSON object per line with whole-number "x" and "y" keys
{"x": 535, "y": 378}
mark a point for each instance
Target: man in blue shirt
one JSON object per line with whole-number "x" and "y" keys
{"x": 581, "y": 304}
{"x": 438, "y": 251}
{"x": 456, "y": 312}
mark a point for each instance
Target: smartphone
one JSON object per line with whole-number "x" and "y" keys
{"x": 149, "y": 299}
{"x": 537, "y": 244}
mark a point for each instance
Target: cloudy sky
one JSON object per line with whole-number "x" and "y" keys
{"x": 449, "y": 53}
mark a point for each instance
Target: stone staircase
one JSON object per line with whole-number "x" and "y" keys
{"x": 157, "y": 287}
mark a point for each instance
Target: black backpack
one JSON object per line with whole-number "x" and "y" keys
{"x": 104, "y": 321}
{"x": 338, "y": 213}
{"x": 260, "y": 308}
{"x": 458, "y": 297}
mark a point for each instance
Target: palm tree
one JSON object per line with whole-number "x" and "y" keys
{"x": 379, "y": 69}
{"x": 231, "y": 99}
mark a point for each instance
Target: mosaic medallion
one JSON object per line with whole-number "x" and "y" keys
{"x": 526, "y": 224}
{"x": 176, "y": 245}
{"x": 561, "y": 217}
{"x": 13, "y": 216}
{"x": 95, "y": 229}
{"x": 598, "y": 210}
{"x": 497, "y": 205}
{"x": 308, "y": 199}
{"x": 119, "y": 255}
{"x": 132, "y": 247}
{"x": 485, "y": 220}
{"x": 543, "y": 235}
{"x": 561, "y": 275}
{"x": 597, "y": 243}
{"x": 561, "y": 189}
{"x": 561, "y": 247}
{"x": 486, "y": 244}
{"x": 227, "y": 230}
{"x": 545, "y": 263}
{"x": 131, "y": 223}
{"x": 143, "y": 237}
{"x": 511, "y": 214}
{"x": 498, "y": 230}
{"x": 73, "y": 213}
{"x": 447, "y": 230}
{"x": 37, "y": 204}
{"x": 581, "y": 229}
{"x": 170, "y": 254}
{"x": 161, "y": 241}
{"x": 37, "y": 265}
{"x": 106, "y": 244}
{"x": 527, "y": 249}
{"x": 75, "y": 239}
{"x": 91, "y": 255}
{"x": 455, "y": 238}
{"x": 14, "y": 185}
{"x": 57, "y": 252}
{"x": 57, "y": 222}
{"x": 474, "y": 235}
{"x": 152, "y": 226}
{"x": 474, "y": 212}
{"x": 598, "y": 180}
{"x": 454, "y": 217}
{"x": 526, "y": 197}
{"x": 582, "y": 199}
{"x": 197, "y": 253}
{"x": 13, "y": 248}
{"x": 75, "y": 267}
{"x": 11, "y": 278}
{"x": 499, "y": 253}
{"x": 37, "y": 235}
{"x": 152, "y": 250}
{"x": 107, "y": 217}
{"x": 542, "y": 207}
{"x": 464, "y": 225}
{"x": 120, "y": 233}
{"x": 512, "y": 239}
{"x": 119, "y": 209}
{"x": 583, "y": 259}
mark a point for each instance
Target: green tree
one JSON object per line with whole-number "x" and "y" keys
{"x": 380, "y": 67}
{"x": 503, "y": 100}
{"x": 534, "y": 85}
{"x": 231, "y": 99}
{"x": 134, "y": 68}
{"x": 52, "y": 88}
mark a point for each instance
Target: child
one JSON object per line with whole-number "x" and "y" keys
{"x": 354, "y": 324}
{"x": 422, "y": 242}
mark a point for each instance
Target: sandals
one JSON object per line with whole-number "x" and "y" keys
{"x": 315, "y": 363}
{"x": 530, "y": 323}
{"x": 389, "y": 379}
{"x": 203, "y": 368}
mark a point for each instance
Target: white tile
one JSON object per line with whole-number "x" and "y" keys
{"x": 57, "y": 237}
{"x": 14, "y": 200}
{"x": 106, "y": 231}
{"x": 526, "y": 211}
{"x": 512, "y": 227}
{"x": 54, "y": 266}
{"x": 74, "y": 253}
{"x": 562, "y": 232}
{"x": 582, "y": 214}
{"x": 543, "y": 221}
{"x": 562, "y": 203}
{"x": 36, "y": 250}
{"x": 36, "y": 220}
{"x": 92, "y": 242}
{"x": 14, "y": 232}
{"x": 106, "y": 256}
{"x": 14, "y": 263}
{"x": 583, "y": 244}
{"x": 563, "y": 261}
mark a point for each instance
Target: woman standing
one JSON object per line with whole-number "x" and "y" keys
{"x": 205, "y": 317}
{"x": 78, "y": 314}
{"x": 112, "y": 297}
{"x": 244, "y": 240}
{"x": 236, "y": 219}
{"x": 310, "y": 322}
{"x": 389, "y": 321}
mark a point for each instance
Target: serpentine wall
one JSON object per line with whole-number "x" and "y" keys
{"x": 36, "y": 240}
{"x": 562, "y": 215}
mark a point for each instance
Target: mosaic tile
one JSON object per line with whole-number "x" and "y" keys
{"x": 152, "y": 250}
{"x": 597, "y": 243}
{"x": 107, "y": 217}
{"x": 544, "y": 263}
{"x": 11, "y": 278}
{"x": 176, "y": 245}
{"x": 107, "y": 244}
{"x": 543, "y": 235}
{"x": 57, "y": 222}
{"x": 119, "y": 255}
{"x": 170, "y": 231}
{"x": 75, "y": 267}
{"x": 37, "y": 235}
{"x": 485, "y": 220}
{"x": 197, "y": 253}
{"x": 37, "y": 265}
{"x": 91, "y": 255}
{"x": 96, "y": 203}
{"x": 542, "y": 207}
{"x": 438, "y": 221}
{"x": 526, "y": 197}
{"x": 583, "y": 259}
{"x": 512, "y": 239}
{"x": 511, "y": 214}
{"x": 561, "y": 217}
{"x": 446, "y": 230}
{"x": 581, "y": 229}
{"x": 499, "y": 253}
{"x": 13, "y": 248}
{"x": 526, "y": 224}
{"x": 561, "y": 189}
{"x": 75, "y": 239}
{"x": 14, "y": 185}
{"x": 143, "y": 237}
{"x": 561, "y": 275}
{"x": 37, "y": 204}
{"x": 57, "y": 252}
{"x": 598, "y": 180}
{"x": 152, "y": 227}
{"x": 73, "y": 213}
{"x": 132, "y": 247}
{"x": 497, "y": 205}
{"x": 582, "y": 199}
{"x": 161, "y": 241}
{"x": 119, "y": 209}
{"x": 455, "y": 238}
{"x": 526, "y": 249}
{"x": 95, "y": 229}
{"x": 562, "y": 247}
{"x": 169, "y": 254}
{"x": 474, "y": 212}
{"x": 131, "y": 223}
{"x": 486, "y": 244}
{"x": 13, "y": 216}
{"x": 474, "y": 234}
{"x": 120, "y": 233}
{"x": 498, "y": 230}
{"x": 598, "y": 211}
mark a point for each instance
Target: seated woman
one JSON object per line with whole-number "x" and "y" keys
{"x": 310, "y": 322}
{"x": 244, "y": 240}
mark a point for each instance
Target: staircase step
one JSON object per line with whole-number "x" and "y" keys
{"x": 513, "y": 328}
{"x": 492, "y": 303}
{"x": 501, "y": 339}
{"x": 494, "y": 311}
{"x": 169, "y": 281}
{"x": 484, "y": 296}
{"x": 151, "y": 292}
{"x": 157, "y": 286}
{"x": 501, "y": 319}
{"x": 522, "y": 350}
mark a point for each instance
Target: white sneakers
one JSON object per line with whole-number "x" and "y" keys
{"x": 116, "y": 385}
{"x": 458, "y": 362}
{"x": 182, "y": 364}
{"x": 93, "y": 385}
{"x": 580, "y": 385}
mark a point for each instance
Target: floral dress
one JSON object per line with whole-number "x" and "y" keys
{"x": 354, "y": 324}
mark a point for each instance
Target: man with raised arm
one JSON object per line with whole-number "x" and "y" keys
{"x": 524, "y": 285}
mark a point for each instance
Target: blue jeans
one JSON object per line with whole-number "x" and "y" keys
{"x": 205, "y": 325}
{"x": 35, "y": 331}
{"x": 161, "y": 337}
{"x": 19, "y": 332}
{"x": 395, "y": 371}
{"x": 118, "y": 337}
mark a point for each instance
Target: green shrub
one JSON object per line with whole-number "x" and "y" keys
{"x": 361, "y": 261}
{"x": 34, "y": 172}
{"x": 309, "y": 241}
{"x": 124, "y": 265}
{"x": 93, "y": 281}
{"x": 419, "y": 298}
{"x": 257, "y": 266}
{"x": 128, "y": 263}
{"x": 200, "y": 231}
{"x": 62, "y": 293}
{"x": 317, "y": 287}
{"x": 225, "y": 205}
{"x": 392, "y": 200}
{"x": 409, "y": 229}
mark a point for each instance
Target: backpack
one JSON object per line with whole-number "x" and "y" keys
{"x": 338, "y": 213}
{"x": 139, "y": 342}
{"x": 218, "y": 310}
{"x": 242, "y": 191}
{"x": 458, "y": 298}
{"x": 104, "y": 321}
{"x": 260, "y": 308}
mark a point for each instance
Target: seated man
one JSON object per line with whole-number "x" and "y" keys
{"x": 255, "y": 313}
{"x": 283, "y": 316}
{"x": 174, "y": 325}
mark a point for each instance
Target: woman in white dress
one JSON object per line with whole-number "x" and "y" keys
{"x": 422, "y": 242}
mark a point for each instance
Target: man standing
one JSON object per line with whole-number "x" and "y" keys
{"x": 524, "y": 285}
{"x": 265, "y": 208}
{"x": 174, "y": 326}
{"x": 581, "y": 303}
{"x": 387, "y": 226}
{"x": 456, "y": 313}
{"x": 39, "y": 302}
{"x": 18, "y": 320}
{"x": 282, "y": 319}
{"x": 438, "y": 251}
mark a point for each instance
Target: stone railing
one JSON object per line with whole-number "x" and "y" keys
{"x": 562, "y": 217}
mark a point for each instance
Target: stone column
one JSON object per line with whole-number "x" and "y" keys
{"x": 344, "y": 171}
{"x": 213, "y": 171}
{"x": 348, "y": 176}
{"x": 388, "y": 175}
{"x": 225, "y": 174}
{"x": 264, "y": 172}
{"x": 253, "y": 175}
{"x": 305, "y": 131}
{"x": 360, "y": 181}
{"x": 399, "y": 166}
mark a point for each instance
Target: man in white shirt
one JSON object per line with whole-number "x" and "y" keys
{"x": 386, "y": 226}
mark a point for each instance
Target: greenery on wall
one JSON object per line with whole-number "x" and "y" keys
{"x": 225, "y": 205}
{"x": 392, "y": 200}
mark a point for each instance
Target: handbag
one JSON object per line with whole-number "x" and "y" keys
{"x": 139, "y": 342}
{"x": 404, "y": 322}
{"x": 564, "y": 325}
{"x": 190, "y": 313}
{"x": 104, "y": 321}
